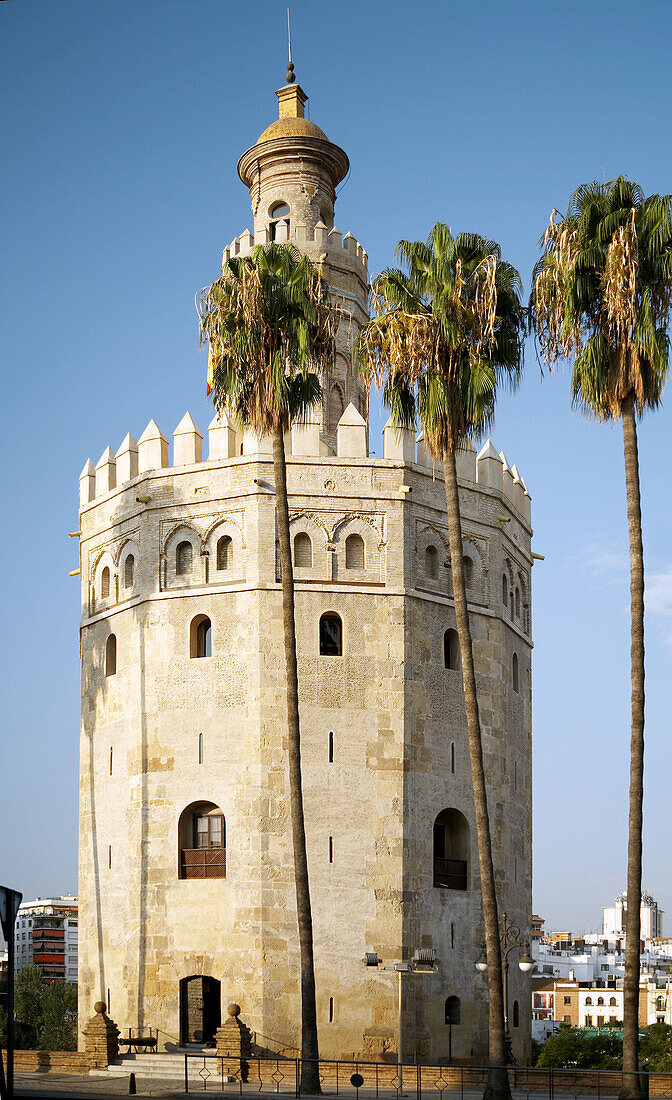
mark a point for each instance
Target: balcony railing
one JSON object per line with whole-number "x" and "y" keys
{"x": 203, "y": 863}
{"x": 451, "y": 874}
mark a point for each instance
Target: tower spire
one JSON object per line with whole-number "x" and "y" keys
{"x": 290, "y": 78}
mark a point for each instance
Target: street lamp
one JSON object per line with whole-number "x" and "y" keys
{"x": 510, "y": 939}
{"x": 424, "y": 961}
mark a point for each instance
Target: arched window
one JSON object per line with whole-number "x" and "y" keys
{"x": 354, "y": 552}
{"x": 514, "y": 672}
{"x": 129, "y": 568}
{"x": 432, "y": 562}
{"x": 105, "y": 583}
{"x": 278, "y": 227}
{"x": 600, "y": 1000}
{"x": 451, "y": 650}
{"x": 331, "y": 635}
{"x": 202, "y": 841}
{"x": 453, "y": 1010}
{"x": 505, "y": 590}
{"x": 517, "y": 602}
{"x": 589, "y": 1000}
{"x": 111, "y": 655}
{"x": 451, "y": 850}
{"x": 225, "y": 552}
{"x": 335, "y": 409}
{"x": 303, "y": 551}
{"x": 468, "y": 566}
{"x": 516, "y": 1014}
{"x": 200, "y": 637}
{"x": 184, "y": 559}
{"x": 612, "y": 1002}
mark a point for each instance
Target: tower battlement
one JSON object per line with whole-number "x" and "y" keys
{"x": 344, "y": 247}
{"x": 487, "y": 469}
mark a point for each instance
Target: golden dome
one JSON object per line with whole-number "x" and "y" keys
{"x": 291, "y": 127}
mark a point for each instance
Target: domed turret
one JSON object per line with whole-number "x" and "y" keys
{"x": 292, "y": 171}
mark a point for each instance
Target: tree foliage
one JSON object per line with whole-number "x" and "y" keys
{"x": 572, "y": 1047}
{"x": 44, "y": 1012}
{"x": 602, "y": 295}
{"x": 447, "y": 330}
{"x": 270, "y": 328}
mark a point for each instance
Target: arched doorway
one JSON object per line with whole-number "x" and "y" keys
{"x": 200, "y": 1009}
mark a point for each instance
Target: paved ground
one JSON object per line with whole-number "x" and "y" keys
{"x": 56, "y": 1086}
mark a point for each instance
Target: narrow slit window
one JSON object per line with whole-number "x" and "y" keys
{"x": 224, "y": 553}
{"x": 184, "y": 559}
{"x": 200, "y": 748}
{"x": 331, "y": 635}
{"x": 111, "y": 655}
{"x": 452, "y": 758}
{"x": 111, "y": 752}
{"x": 468, "y": 567}
{"x": 451, "y": 650}
{"x": 354, "y": 552}
{"x": 303, "y": 551}
{"x": 505, "y": 590}
{"x": 108, "y": 1000}
{"x": 331, "y": 746}
{"x": 331, "y": 849}
{"x": 331, "y": 1010}
{"x": 109, "y": 856}
{"x": 517, "y": 603}
{"x": 105, "y": 583}
{"x": 432, "y": 562}
{"x": 514, "y": 672}
{"x": 129, "y": 569}
{"x": 452, "y": 933}
{"x": 200, "y": 642}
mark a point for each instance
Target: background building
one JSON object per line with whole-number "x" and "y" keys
{"x": 46, "y": 936}
{"x": 186, "y": 870}
{"x": 650, "y": 915}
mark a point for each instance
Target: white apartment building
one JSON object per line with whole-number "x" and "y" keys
{"x": 46, "y": 936}
{"x": 613, "y": 921}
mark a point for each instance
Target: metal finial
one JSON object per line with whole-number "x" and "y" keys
{"x": 290, "y": 78}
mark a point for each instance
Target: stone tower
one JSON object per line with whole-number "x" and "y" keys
{"x": 292, "y": 173}
{"x": 186, "y": 881}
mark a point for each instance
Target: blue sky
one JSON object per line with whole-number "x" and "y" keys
{"x": 123, "y": 122}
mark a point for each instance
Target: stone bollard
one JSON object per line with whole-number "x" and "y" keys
{"x": 101, "y": 1038}
{"x": 234, "y": 1045}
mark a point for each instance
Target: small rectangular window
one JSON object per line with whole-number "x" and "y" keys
{"x": 331, "y": 746}
{"x": 109, "y": 1009}
{"x": 200, "y": 748}
{"x": 567, "y": 1000}
{"x": 331, "y": 849}
{"x": 331, "y": 1010}
{"x": 452, "y": 758}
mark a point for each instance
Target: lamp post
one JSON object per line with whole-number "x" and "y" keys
{"x": 510, "y": 939}
{"x": 424, "y": 961}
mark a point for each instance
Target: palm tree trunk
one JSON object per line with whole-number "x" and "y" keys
{"x": 497, "y": 1087}
{"x": 631, "y": 1084}
{"x": 310, "y": 1076}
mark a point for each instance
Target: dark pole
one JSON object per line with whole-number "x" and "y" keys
{"x": 10, "y": 1012}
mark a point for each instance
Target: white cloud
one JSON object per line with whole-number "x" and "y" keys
{"x": 658, "y": 598}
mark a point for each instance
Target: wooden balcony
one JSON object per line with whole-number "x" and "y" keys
{"x": 450, "y": 874}
{"x": 203, "y": 863}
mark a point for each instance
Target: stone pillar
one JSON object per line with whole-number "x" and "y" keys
{"x": 101, "y": 1038}
{"x": 233, "y": 1044}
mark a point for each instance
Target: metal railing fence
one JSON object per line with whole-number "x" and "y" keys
{"x": 382, "y": 1079}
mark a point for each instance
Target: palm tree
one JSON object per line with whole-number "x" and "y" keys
{"x": 270, "y": 331}
{"x": 445, "y": 332}
{"x": 601, "y": 296}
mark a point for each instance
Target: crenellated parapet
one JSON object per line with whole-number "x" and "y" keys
{"x": 487, "y": 469}
{"x": 339, "y": 248}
